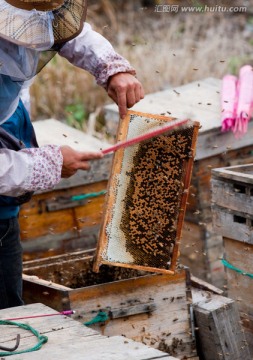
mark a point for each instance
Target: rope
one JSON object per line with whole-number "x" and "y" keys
{"x": 232, "y": 267}
{"x": 87, "y": 196}
{"x": 100, "y": 317}
{"x": 42, "y": 338}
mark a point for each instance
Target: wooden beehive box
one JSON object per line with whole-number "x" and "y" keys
{"x": 232, "y": 196}
{"x": 150, "y": 308}
{"x": 201, "y": 247}
{"x": 68, "y": 217}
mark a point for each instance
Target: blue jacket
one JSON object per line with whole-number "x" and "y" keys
{"x": 16, "y": 133}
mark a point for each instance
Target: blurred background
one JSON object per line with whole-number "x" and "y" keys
{"x": 168, "y": 46}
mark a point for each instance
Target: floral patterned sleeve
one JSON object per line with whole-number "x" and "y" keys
{"x": 29, "y": 169}
{"x": 92, "y": 52}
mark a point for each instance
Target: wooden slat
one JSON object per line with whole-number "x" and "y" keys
{"x": 232, "y": 224}
{"x": 203, "y": 285}
{"x": 239, "y": 173}
{"x": 226, "y": 194}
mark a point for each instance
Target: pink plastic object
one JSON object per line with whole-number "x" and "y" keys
{"x": 155, "y": 132}
{"x": 229, "y": 102}
{"x": 66, "y": 312}
{"x": 244, "y": 108}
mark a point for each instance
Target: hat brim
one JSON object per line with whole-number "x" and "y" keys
{"x": 37, "y": 29}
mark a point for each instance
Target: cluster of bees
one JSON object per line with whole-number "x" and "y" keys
{"x": 154, "y": 192}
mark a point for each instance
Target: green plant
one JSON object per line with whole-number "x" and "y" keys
{"x": 76, "y": 115}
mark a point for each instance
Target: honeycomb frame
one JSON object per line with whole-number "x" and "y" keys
{"x": 138, "y": 182}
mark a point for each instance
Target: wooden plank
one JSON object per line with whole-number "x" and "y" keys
{"x": 115, "y": 348}
{"x": 219, "y": 328}
{"x": 68, "y": 339}
{"x": 240, "y": 287}
{"x": 50, "y": 233}
{"x": 239, "y": 173}
{"x": 233, "y": 224}
{"x": 203, "y": 285}
{"x": 49, "y": 293}
{"x": 36, "y": 221}
{"x": 214, "y": 142}
{"x": 233, "y": 196}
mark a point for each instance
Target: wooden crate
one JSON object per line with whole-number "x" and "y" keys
{"x": 232, "y": 190}
{"x": 199, "y": 101}
{"x": 152, "y": 309}
{"x": 60, "y": 220}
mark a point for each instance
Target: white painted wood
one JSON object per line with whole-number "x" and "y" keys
{"x": 199, "y": 101}
{"x": 186, "y": 101}
{"x": 55, "y": 132}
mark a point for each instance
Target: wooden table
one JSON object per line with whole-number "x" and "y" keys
{"x": 69, "y": 339}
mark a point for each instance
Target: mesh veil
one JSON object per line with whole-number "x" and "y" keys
{"x": 27, "y": 28}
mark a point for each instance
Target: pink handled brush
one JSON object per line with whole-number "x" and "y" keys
{"x": 150, "y": 134}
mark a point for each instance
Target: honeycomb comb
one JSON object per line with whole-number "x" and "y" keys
{"x": 147, "y": 194}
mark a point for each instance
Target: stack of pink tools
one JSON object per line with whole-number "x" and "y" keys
{"x": 237, "y": 101}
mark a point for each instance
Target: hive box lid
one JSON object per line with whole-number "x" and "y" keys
{"x": 52, "y": 131}
{"x": 199, "y": 101}
{"x": 55, "y": 132}
{"x": 239, "y": 173}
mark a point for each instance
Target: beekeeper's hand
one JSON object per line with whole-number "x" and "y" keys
{"x": 125, "y": 90}
{"x": 76, "y": 160}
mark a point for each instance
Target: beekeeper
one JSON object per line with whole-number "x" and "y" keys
{"x": 31, "y": 33}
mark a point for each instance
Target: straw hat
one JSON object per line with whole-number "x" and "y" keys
{"x": 41, "y": 23}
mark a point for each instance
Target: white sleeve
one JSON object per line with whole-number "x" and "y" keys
{"x": 92, "y": 52}
{"x": 29, "y": 169}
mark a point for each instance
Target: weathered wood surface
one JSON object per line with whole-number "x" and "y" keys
{"x": 201, "y": 250}
{"x": 51, "y": 223}
{"x": 154, "y": 309}
{"x": 237, "y": 174}
{"x": 55, "y": 132}
{"x": 233, "y": 196}
{"x": 219, "y": 328}
{"x": 240, "y": 287}
{"x": 199, "y": 100}
{"x": 69, "y": 339}
{"x": 199, "y": 284}
{"x": 48, "y": 233}
{"x": 167, "y": 327}
{"x": 233, "y": 224}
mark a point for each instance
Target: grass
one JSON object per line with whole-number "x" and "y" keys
{"x": 166, "y": 49}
